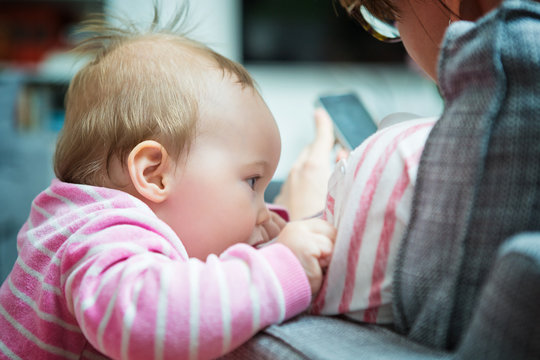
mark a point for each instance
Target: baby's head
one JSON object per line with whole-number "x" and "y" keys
{"x": 177, "y": 125}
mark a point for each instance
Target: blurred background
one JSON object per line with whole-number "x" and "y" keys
{"x": 294, "y": 49}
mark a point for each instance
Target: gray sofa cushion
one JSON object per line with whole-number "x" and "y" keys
{"x": 319, "y": 337}
{"x": 506, "y": 323}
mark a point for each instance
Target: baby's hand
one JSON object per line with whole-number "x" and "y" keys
{"x": 312, "y": 241}
{"x": 268, "y": 230}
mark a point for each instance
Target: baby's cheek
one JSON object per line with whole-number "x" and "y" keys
{"x": 241, "y": 232}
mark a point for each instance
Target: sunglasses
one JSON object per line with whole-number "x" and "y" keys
{"x": 383, "y": 30}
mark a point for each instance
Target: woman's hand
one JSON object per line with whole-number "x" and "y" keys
{"x": 304, "y": 191}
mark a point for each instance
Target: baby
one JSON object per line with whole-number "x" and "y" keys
{"x": 145, "y": 245}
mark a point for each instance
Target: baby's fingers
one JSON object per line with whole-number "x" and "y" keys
{"x": 324, "y": 262}
{"x": 326, "y": 246}
{"x": 277, "y": 220}
{"x": 322, "y": 227}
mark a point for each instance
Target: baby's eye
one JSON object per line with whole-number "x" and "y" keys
{"x": 251, "y": 182}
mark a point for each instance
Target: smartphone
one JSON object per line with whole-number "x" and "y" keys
{"x": 352, "y": 122}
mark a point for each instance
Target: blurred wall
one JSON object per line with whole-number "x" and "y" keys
{"x": 216, "y": 22}
{"x": 26, "y": 150}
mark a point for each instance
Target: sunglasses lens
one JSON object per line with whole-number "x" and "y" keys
{"x": 385, "y": 29}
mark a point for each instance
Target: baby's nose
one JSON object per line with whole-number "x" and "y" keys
{"x": 263, "y": 214}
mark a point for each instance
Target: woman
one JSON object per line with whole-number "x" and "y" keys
{"x": 478, "y": 179}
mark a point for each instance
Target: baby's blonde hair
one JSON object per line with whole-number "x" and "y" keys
{"x": 125, "y": 96}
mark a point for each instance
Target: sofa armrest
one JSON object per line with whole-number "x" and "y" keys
{"x": 323, "y": 337}
{"x": 506, "y": 324}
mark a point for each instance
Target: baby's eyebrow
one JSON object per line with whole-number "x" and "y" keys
{"x": 259, "y": 164}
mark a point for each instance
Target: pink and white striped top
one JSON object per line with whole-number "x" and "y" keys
{"x": 369, "y": 201}
{"x": 98, "y": 273}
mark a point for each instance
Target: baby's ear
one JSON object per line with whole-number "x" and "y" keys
{"x": 149, "y": 167}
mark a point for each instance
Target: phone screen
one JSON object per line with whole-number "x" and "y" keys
{"x": 352, "y": 122}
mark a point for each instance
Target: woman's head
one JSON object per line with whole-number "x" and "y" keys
{"x": 140, "y": 85}
{"x": 422, "y": 23}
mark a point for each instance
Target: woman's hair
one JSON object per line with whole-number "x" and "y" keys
{"x": 382, "y": 9}
{"x": 140, "y": 85}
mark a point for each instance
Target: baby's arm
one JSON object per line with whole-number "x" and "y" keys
{"x": 142, "y": 300}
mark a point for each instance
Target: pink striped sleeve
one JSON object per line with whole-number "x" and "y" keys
{"x": 140, "y": 304}
{"x": 99, "y": 273}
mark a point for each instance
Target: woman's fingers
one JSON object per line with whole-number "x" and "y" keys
{"x": 324, "y": 131}
{"x": 304, "y": 191}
